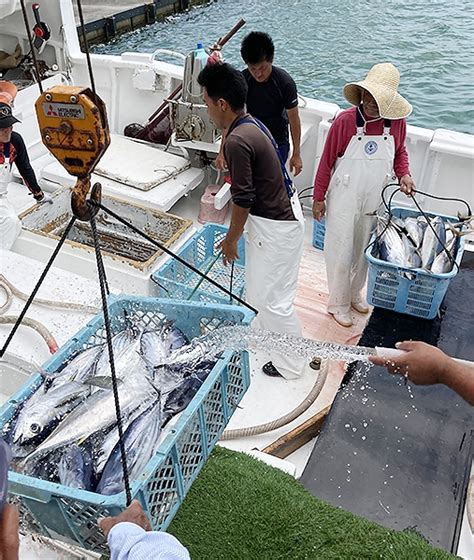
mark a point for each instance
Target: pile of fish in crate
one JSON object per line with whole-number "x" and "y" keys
{"x": 430, "y": 243}
{"x": 412, "y": 259}
{"x": 62, "y": 426}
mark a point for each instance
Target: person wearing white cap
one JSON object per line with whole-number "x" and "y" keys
{"x": 364, "y": 147}
{"x": 13, "y": 149}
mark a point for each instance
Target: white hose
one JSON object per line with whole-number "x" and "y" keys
{"x": 37, "y": 326}
{"x": 10, "y": 290}
{"x": 167, "y": 52}
{"x": 8, "y": 299}
{"x": 287, "y": 418}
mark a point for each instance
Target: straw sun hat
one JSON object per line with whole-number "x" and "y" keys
{"x": 382, "y": 83}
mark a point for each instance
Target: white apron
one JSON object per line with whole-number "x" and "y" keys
{"x": 355, "y": 190}
{"x": 273, "y": 255}
{"x": 10, "y": 225}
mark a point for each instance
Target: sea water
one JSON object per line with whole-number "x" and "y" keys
{"x": 325, "y": 43}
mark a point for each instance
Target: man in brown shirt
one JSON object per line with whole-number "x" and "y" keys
{"x": 264, "y": 205}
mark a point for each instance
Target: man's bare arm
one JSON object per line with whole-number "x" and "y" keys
{"x": 296, "y": 163}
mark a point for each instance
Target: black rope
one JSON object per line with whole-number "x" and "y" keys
{"x": 428, "y": 220}
{"x": 38, "y": 286}
{"x": 100, "y": 261}
{"x": 103, "y": 293}
{"x": 168, "y": 252}
{"x": 231, "y": 280}
{"x": 32, "y": 50}
{"x": 451, "y": 258}
{"x": 445, "y": 249}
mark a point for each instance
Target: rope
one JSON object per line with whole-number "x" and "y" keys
{"x": 88, "y": 56}
{"x": 175, "y": 256}
{"x": 37, "y": 287}
{"x": 103, "y": 293}
{"x": 231, "y": 279}
{"x": 428, "y": 221}
{"x": 32, "y": 50}
{"x": 12, "y": 290}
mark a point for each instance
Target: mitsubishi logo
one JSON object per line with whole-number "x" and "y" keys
{"x": 51, "y": 112}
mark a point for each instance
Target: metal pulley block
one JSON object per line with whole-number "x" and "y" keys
{"x": 74, "y": 128}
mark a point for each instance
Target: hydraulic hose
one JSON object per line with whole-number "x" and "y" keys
{"x": 287, "y": 418}
{"x": 37, "y": 326}
{"x": 10, "y": 290}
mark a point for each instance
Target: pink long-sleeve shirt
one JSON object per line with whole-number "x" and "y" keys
{"x": 342, "y": 130}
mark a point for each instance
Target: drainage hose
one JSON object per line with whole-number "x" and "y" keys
{"x": 10, "y": 290}
{"x": 287, "y": 418}
{"x": 37, "y": 326}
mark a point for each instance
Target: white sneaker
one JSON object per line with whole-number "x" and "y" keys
{"x": 344, "y": 319}
{"x": 360, "y": 306}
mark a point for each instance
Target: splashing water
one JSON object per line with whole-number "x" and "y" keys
{"x": 245, "y": 338}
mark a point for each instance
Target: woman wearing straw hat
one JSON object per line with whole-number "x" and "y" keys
{"x": 365, "y": 145}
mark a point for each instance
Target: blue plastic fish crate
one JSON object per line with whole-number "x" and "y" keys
{"x": 405, "y": 290}
{"x": 52, "y": 509}
{"x": 319, "y": 231}
{"x": 177, "y": 281}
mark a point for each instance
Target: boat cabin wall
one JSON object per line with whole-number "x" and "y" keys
{"x": 132, "y": 85}
{"x": 13, "y": 33}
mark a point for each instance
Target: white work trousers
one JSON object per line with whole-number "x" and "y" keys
{"x": 273, "y": 255}
{"x": 10, "y": 225}
{"x": 354, "y": 191}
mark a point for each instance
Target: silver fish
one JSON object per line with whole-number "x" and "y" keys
{"x": 98, "y": 411}
{"x": 104, "y": 444}
{"x": 75, "y": 467}
{"x": 433, "y": 241}
{"x": 127, "y": 339}
{"x": 390, "y": 244}
{"x": 38, "y": 419}
{"x": 156, "y": 344}
{"x": 444, "y": 261}
{"x": 141, "y": 440}
{"x": 83, "y": 365}
{"x": 179, "y": 398}
{"x": 415, "y": 230}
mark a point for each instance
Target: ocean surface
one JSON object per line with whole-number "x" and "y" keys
{"x": 323, "y": 44}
